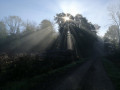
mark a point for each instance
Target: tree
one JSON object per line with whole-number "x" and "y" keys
{"x": 76, "y": 29}
{"x": 83, "y": 23}
{"x": 97, "y": 27}
{"x": 78, "y": 18}
{"x": 45, "y": 24}
{"x": 115, "y": 16}
{"x": 48, "y": 27}
{"x": 112, "y": 35}
{"x": 78, "y": 21}
{"x": 13, "y": 23}
{"x": 37, "y": 38}
{"x": 59, "y": 18}
{"x": 3, "y": 30}
{"x": 29, "y": 27}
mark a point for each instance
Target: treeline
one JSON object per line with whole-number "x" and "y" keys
{"x": 112, "y": 36}
{"x": 112, "y": 44}
{"x": 19, "y": 36}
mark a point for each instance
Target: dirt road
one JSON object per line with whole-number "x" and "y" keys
{"x": 89, "y": 76}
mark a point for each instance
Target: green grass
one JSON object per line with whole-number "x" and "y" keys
{"x": 29, "y": 83}
{"x": 113, "y": 72}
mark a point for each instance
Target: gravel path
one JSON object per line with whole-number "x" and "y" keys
{"x": 90, "y": 76}
{"x": 96, "y": 78}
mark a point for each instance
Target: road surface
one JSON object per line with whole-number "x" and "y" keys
{"x": 89, "y": 76}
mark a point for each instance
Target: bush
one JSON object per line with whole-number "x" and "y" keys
{"x": 22, "y": 66}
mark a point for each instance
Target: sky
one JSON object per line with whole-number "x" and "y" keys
{"x": 96, "y": 11}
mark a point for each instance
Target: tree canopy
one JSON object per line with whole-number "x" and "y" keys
{"x": 78, "y": 21}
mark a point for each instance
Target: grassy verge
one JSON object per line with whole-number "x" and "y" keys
{"x": 32, "y": 83}
{"x": 113, "y": 72}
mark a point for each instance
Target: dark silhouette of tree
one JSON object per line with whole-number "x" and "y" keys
{"x": 83, "y": 23}
{"x": 78, "y": 21}
{"x": 81, "y": 33}
{"x": 3, "y": 30}
{"x": 3, "y": 33}
{"x": 59, "y": 18}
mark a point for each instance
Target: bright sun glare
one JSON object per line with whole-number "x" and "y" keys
{"x": 70, "y": 7}
{"x": 66, "y": 18}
